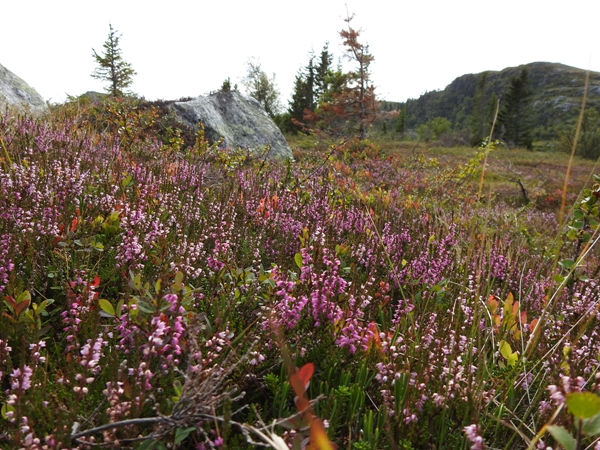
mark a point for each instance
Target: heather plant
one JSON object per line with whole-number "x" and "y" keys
{"x": 160, "y": 295}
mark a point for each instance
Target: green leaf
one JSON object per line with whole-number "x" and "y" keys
{"x": 120, "y": 308}
{"x": 6, "y": 409}
{"x": 298, "y": 259}
{"x": 591, "y": 426}
{"x": 567, "y": 263}
{"x": 178, "y": 283}
{"x": 579, "y": 224}
{"x": 145, "y": 307}
{"x": 44, "y": 330}
{"x": 578, "y": 214}
{"x": 148, "y": 444}
{"x": 182, "y": 433}
{"x": 583, "y": 405}
{"x": 107, "y": 307}
{"x": 178, "y": 387}
{"x": 24, "y": 296}
{"x": 39, "y": 309}
{"x": 510, "y": 356}
{"x": 137, "y": 282}
{"x": 505, "y": 349}
{"x": 558, "y": 278}
{"x": 562, "y": 436}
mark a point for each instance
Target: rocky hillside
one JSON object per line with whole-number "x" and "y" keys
{"x": 557, "y": 93}
{"x": 16, "y": 93}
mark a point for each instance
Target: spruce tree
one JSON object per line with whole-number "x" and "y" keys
{"x": 301, "y": 99}
{"x": 322, "y": 73}
{"x": 111, "y": 66}
{"x": 514, "y": 117}
{"x": 309, "y": 86}
{"x": 400, "y": 126}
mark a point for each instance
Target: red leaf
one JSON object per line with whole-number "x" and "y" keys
{"x": 302, "y": 403}
{"x": 22, "y": 306}
{"x": 11, "y": 301}
{"x": 297, "y": 385}
{"x": 306, "y": 373}
{"x": 96, "y": 282}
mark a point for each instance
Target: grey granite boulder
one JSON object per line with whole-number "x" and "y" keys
{"x": 15, "y": 93}
{"x": 239, "y": 120}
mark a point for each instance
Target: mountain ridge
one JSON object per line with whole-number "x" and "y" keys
{"x": 557, "y": 93}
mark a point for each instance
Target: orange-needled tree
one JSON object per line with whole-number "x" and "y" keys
{"x": 349, "y": 104}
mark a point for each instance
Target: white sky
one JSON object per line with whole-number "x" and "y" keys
{"x": 187, "y": 48}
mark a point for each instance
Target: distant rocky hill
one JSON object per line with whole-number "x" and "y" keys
{"x": 557, "y": 92}
{"x": 16, "y": 93}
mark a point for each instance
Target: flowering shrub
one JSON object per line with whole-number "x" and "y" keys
{"x": 144, "y": 288}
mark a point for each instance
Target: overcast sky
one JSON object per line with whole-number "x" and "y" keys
{"x": 187, "y": 48}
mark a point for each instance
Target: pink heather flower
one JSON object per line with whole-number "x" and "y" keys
{"x": 473, "y": 435}
{"x": 21, "y": 379}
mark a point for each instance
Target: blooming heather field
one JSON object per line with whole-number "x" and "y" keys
{"x": 193, "y": 296}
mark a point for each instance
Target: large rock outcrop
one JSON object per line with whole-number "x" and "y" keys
{"x": 239, "y": 120}
{"x": 15, "y": 93}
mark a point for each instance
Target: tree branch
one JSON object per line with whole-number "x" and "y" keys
{"x": 122, "y": 423}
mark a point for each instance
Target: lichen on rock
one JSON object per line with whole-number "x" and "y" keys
{"x": 240, "y": 121}
{"x": 16, "y": 93}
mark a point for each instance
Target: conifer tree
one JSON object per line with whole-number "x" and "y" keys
{"x": 322, "y": 72}
{"x": 514, "y": 117}
{"x": 302, "y": 98}
{"x": 400, "y": 126}
{"x": 262, "y": 88}
{"x": 309, "y": 86}
{"x": 111, "y": 66}
{"x": 349, "y": 104}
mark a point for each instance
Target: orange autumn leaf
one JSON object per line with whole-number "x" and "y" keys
{"x": 318, "y": 436}
{"x": 492, "y": 304}
{"x": 533, "y": 325}
{"x": 306, "y": 373}
{"x": 375, "y": 340}
{"x": 524, "y": 317}
{"x": 515, "y": 309}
